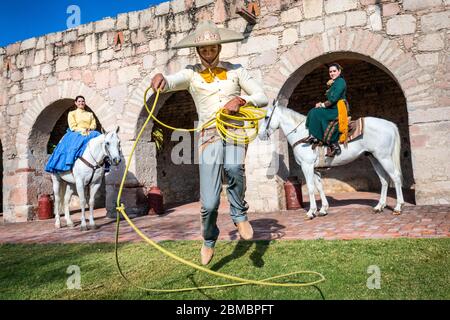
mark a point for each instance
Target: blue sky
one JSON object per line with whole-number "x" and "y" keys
{"x": 23, "y": 19}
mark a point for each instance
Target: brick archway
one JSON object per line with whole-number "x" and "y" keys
{"x": 31, "y": 148}
{"x": 365, "y": 45}
{"x": 301, "y": 60}
{"x": 135, "y": 104}
{"x": 1, "y": 176}
{"x": 7, "y": 155}
{"x": 5, "y": 138}
{"x": 144, "y": 167}
{"x": 63, "y": 90}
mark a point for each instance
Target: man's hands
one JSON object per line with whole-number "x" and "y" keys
{"x": 234, "y": 105}
{"x": 158, "y": 82}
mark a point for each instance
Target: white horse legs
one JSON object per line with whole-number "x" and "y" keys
{"x": 82, "y": 197}
{"x": 388, "y": 165}
{"x": 62, "y": 191}
{"x": 384, "y": 179}
{"x": 67, "y": 197}
{"x": 57, "y": 193}
{"x": 65, "y": 191}
{"x": 308, "y": 172}
{"x": 93, "y": 190}
{"x": 318, "y": 182}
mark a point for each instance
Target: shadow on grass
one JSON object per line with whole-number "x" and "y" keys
{"x": 268, "y": 229}
{"x": 241, "y": 248}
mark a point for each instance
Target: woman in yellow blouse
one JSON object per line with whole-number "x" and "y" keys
{"x": 80, "y": 120}
{"x": 82, "y": 127}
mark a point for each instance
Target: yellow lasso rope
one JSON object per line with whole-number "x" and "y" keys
{"x": 248, "y": 114}
{"x": 240, "y": 281}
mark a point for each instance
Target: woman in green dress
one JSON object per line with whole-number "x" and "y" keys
{"x": 320, "y": 117}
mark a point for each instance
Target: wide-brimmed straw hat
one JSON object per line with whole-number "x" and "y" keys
{"x": 206, "y": 34}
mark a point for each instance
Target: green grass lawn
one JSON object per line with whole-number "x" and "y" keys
{"x": 410, "y": 269}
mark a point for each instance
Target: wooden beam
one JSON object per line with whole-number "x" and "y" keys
{"x": 244, "y": 13}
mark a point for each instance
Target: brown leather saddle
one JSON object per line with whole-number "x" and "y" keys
{"x": 355, "y": 130}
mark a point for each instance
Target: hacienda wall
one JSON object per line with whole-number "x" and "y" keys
{"x": 406, "y": 40}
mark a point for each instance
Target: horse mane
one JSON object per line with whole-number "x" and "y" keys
{"x": 96, "y": 138}
{"x": 292, "y": 115}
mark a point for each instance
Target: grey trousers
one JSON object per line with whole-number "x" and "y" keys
{"x": 215, "y": 158}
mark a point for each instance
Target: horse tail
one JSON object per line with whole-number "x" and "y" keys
{"x": 396, "y": 153}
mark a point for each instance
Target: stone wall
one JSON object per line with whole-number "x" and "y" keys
{"x": 407, "y": 40}
{"x": 1, "y": 178}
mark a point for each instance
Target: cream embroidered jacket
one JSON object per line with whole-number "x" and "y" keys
{"x": 210, "y": 97}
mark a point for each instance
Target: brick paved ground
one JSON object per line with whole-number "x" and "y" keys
{"x": 350, "y": 217}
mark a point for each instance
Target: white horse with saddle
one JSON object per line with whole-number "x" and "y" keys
{"x": 87, "y": 172}
{"x": 380, "y": 140}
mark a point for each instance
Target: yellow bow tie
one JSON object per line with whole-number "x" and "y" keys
{"x": 210, "y": 74}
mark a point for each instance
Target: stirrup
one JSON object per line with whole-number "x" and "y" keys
{"x": 333, "y": 150}
{"x": 316, "y": 143}
{"x": 338, "y": 149}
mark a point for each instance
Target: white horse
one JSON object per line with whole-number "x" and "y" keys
{"x": 87, "y": 171}
{"x": 380, "y": 139}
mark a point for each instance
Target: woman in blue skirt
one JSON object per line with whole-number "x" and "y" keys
{"x": 82, "y": 127}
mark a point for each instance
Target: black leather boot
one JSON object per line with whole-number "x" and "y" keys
{"x": 333, "y": 150}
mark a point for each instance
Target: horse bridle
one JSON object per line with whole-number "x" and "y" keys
{"x": 98, "y": 165}
{"x": 270, "y": 119}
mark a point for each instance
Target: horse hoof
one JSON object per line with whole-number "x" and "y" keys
{"x": 70, "y": 225}
{"x": 309, "y": 217}
{"x": 94, "y": 227}
{"x": 57, "y": 226}
{"x": 84, "y": 228}
{"x": 323, "y": 214}
{"x": 396, "y": 213}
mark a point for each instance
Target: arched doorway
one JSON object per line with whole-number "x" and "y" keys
{"x": 167, "y": 158}
{"x": 61, "y": 126}
{"x": 48, "y": 129}
{"x": 371, "y": 91}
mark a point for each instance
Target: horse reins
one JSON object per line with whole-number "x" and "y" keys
{"x": 98, "y": 166}
{"x": 292, "y": 131}
{"x": 295, "y": 129}
{"x": 270, "y": 118}
{"x": 94, "y": 168}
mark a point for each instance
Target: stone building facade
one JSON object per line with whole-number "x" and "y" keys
{"x": 395, "y": 55}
